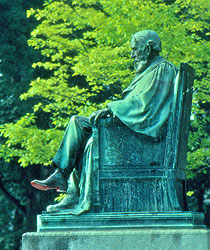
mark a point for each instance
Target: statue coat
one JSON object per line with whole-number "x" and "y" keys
{"x": 145, "y": 104}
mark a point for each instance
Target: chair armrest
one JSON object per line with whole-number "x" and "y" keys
{"x": 109, "y": 122}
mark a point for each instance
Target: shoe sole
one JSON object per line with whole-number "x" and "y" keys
{"x": 45, "y": 188}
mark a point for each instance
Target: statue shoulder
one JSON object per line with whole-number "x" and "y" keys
{"x": 170, "y": 65}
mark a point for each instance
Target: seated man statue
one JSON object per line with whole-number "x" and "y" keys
{"x": 144, "y": 108}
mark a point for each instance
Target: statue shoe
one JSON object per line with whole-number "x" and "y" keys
{"x": 69, "y": 201}
{"x": 54, "y": 181}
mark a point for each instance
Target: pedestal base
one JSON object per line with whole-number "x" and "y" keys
{"x": 63, "y": 221}
{"x": 133, "y": 239}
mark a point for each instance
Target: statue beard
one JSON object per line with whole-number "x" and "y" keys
{"x": 141, "y": 65}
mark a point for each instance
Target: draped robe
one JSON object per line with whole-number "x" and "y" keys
{"x": 146, "y": 102}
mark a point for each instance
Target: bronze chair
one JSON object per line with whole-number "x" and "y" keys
{"x": 132, "y": 173}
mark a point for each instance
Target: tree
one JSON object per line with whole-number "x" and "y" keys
{"x": 16, "y": 57}
{"x": 85, "y": 49}
{"x": 85, "y": 63}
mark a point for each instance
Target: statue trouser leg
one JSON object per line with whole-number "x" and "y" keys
{"x": 71, "y": 148}
{"x": 68, "y": 155}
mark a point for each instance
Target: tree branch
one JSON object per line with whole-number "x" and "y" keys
{"x": 10, "y": 197}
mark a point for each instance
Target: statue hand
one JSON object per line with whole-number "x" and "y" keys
{"x": 102, "y": 113}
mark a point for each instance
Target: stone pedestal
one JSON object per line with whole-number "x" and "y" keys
{"x": 119, "y": 231}
{"x": 132, "y": 239}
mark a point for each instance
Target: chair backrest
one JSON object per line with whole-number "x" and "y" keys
{"x": 181, "y": 113}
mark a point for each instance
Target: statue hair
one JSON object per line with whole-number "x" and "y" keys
{"x": 149, "y": 37}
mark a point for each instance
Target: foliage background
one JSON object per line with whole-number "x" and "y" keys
{"x": 80, "y": 61}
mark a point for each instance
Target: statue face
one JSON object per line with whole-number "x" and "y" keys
{"x": 139, "y": 54}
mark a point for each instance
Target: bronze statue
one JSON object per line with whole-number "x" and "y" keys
{"x": 144, "y": 108}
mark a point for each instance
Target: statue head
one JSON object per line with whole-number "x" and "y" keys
{"x": 145, "y": 46}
